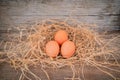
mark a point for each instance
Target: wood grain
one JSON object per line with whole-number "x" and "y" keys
{"x": 104, "y": 13}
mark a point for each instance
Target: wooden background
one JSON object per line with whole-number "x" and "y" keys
{"x": 13, "y": 13}
{"x": 104, "y": 13}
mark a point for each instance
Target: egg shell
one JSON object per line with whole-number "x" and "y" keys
{"x": 61, "y": 36}
{"x": 67, "y": 49}
{"x": 52, "y": 49}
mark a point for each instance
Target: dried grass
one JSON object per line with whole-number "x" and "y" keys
{"x": 31, "y": 51}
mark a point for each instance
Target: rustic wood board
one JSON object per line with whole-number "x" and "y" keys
{"x": 104, "y": 13}
{"x": 65, "y": 73}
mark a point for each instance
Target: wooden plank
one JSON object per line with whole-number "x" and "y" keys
{"x": 90, "y": 73}
{"x": 8, "y": 73}
{"x": 101, "y": 12}
{"x": 110, "y": 22}
{"x": 62, "y": 7}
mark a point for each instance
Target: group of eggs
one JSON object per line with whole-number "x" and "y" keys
{"x": 61, "y": 45}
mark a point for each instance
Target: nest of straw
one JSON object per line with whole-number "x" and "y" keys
{"x": 31, "y": 51}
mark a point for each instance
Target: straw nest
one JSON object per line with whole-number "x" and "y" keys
{"x": 90, "y": 49}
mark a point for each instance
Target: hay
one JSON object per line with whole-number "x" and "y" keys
{"x": 31, "y": 51}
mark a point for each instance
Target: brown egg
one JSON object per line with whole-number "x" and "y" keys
{"x": 52, "y": 49}
{"x": 61, "y": 36}
{"x": 67, "y": 49}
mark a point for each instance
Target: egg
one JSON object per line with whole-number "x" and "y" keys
{"x": 52, "y": 49}
{"x": 61, "y": 36}
{"x": 67, "y": 49}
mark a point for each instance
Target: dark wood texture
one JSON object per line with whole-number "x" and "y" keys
{"x": 65, "y": 73}
{"x": 104, "y": 13}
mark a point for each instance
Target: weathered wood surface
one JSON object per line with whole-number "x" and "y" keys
{"x": 104, "y": 13}
{"x": 65, "y": 73}
{"x": 13, "y": 13}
